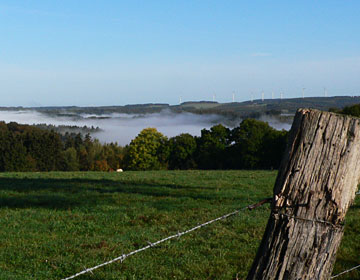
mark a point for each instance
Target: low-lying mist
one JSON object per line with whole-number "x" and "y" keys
{"x": 122, "y": 128}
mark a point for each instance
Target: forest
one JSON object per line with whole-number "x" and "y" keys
{"x": 251, "y": 145}
{"x": 30, "y": 148}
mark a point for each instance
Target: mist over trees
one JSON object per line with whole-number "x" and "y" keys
{"x": 28, "y": 148}
{"x": 251, "y": 145}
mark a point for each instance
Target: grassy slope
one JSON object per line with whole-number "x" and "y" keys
{"x": 52, "y": 225}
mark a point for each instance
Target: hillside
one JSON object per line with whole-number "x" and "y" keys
{"x": 236, "y": 109}
{"x": 270, "y": 106}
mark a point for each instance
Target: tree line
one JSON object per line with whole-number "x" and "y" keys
{"x": 29, "y": 148}
{"x": 251, "y": 145}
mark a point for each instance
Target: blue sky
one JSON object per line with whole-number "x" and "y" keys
{"x": 124, "y": 52}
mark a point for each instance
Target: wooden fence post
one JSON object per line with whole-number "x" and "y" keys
{"x": 315, "y": 186}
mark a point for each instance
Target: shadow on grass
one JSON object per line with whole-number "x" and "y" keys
{"x": 36, "y": 201}
{"x": 65, "y": 193}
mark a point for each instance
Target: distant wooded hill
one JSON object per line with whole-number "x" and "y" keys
{"x": 236, "y": 109}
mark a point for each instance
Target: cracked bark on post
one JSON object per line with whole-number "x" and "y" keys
{"x": 315, "y": 186}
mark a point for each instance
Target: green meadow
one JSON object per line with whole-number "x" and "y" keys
{"x": 53, "y": 225}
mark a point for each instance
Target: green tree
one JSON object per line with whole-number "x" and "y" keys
{"x": 71, "y": 162}
{"x": 353, "y": 110}
{"x": 256, "y": 145}
{"x": 182, "y": 150}
{"x": 211, "y": 147}
{"x": 12, "y": 153}
{"x": 113, "y": 154}
{"x": 273, "y": 147}
{"x": 44, "y": 147}
{"x": 145, "y": 151}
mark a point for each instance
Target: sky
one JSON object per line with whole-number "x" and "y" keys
{"x": 112, "y": 52}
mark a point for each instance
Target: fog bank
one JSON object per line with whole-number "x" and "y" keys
{"x": 122, "y": 128}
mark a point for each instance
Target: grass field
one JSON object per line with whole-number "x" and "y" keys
{"x": 53, "y": 225}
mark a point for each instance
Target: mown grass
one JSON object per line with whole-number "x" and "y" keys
{"x": 53, "y": 225}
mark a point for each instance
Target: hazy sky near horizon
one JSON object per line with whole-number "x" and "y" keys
{"x": 123, "y": 52}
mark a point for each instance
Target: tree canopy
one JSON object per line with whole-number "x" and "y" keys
{"x": 181, "y": 152}
{"x": 145, "y": 151}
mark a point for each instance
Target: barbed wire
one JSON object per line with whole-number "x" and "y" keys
{"x": 177, "y": 235}
{"x": 318, "y": 221}
{"x": 346, "y": 271}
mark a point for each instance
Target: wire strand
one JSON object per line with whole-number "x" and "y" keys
{"x": 346, "y": 271}
{"x": 177, "y": 235}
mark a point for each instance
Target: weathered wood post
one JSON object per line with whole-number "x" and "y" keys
{"x": 315, "y": 186}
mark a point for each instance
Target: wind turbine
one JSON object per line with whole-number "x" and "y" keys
{"x": 303, "y": 95}
{"x": 262, "y": 96}
{"x": 233, "y": 96}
